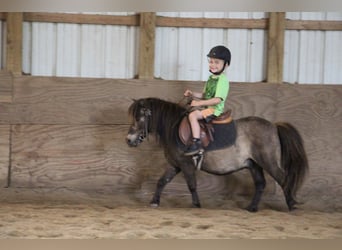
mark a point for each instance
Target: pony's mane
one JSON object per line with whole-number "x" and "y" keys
{"x": 165, "y": 116}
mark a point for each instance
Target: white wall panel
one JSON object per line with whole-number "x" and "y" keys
{"x": 68, "y": 50}
{"x": 313, "y": 56}
{"x": 166, "y": 53}
{"x": 190, "y": 50}
{"x": 333, "y": 52}
{"x": 333, "y": 58}
{"x": 180, "y": 53}
{"x": 27, "y": 48}
{"x": 43, "y": 50}
{"x": 92, "y": 51}
{"x": 191, "y": 45}
{"x": 80, "y": 50}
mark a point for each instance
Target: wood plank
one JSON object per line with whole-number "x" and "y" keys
{"x": 161, "y": 21}
{"x": 5, "y": 113}
{"x": 219, "y": 23}
{"x": 40, "y": 99}
{"x": 43, "y": 100}
{"x": 147, "y": 45}
{"x": 98, "y": 158}
{"x": 132, "y": 20}
{"x": 6, "y": 85}
{"x": 252, "y": 99}
{"x": 275, "y": 47}
{"x": 313, "y": 25}
{"x": 315, "y": 111}
{"x": 4, "y": 154}
{"x": 79, "y": 156}
{"x": 35, "y": 89}
{"x": 14, "y": 42}
{"x": 88, "y": 124}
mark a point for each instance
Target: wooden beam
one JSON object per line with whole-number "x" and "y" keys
{"x": 223, "y": 23}
{"x": 161, "y": 21}
{"x": 2, "y": 16}
{"x": 14, "y": 42}
{"x": 132, "y": 20}
{"x": 275, "y": 47}
{"x": 313, "y": 25}
{"x": 147, "y": 45}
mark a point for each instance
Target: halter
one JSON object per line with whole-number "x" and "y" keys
{"x": 147, "y": 114}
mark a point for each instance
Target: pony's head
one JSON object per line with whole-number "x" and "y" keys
{"x": 139, "y": 127}
{"x": 153, "y": 115}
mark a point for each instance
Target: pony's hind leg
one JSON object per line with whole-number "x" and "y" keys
{"x": 290, "y": 201}
{"x": 164, "y": 179}
{"x": 260, "y": 183}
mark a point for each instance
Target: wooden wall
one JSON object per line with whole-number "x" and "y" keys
{"x": 6, "y": 85}
{"x": 70, "y": 132}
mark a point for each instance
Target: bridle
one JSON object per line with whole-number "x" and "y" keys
{"x": 145, "y": 130}
{"x": 147, "y": 115}
{"x": 142, "y": 127}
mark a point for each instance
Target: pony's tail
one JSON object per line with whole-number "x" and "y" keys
{"x": 293, "y": 158}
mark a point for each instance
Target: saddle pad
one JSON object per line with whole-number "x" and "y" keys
{"x": 224, "y": 135}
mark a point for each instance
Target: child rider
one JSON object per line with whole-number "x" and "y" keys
{"x": 212, "y": 100}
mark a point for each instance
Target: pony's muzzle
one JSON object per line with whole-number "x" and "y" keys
{"x": 131, "y": 143}
{"x": 133, "y": 140}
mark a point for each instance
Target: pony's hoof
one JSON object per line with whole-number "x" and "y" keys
{"x": 293, "y": 208}
{"x": 252, "y": 209}
{"x": 154, "y": 205}
{"x": 196, "y": 205}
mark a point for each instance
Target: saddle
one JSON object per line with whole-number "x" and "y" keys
{"x": 207, "y": 128}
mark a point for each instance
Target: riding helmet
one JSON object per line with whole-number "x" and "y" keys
{"x": 220, "y": 52}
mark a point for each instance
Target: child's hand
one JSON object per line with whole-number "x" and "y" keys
{"x": 195, "y": 103}
{"x": 188, "y": 93}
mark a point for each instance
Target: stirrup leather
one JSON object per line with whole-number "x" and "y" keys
{"x": 198, "y": 159}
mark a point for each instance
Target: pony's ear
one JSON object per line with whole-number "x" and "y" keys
{"x": 134, "y": 100}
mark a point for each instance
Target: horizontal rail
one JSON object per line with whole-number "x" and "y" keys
{"x": 179, "y": 22}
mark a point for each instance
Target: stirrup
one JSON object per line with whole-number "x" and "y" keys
{"x": 198, "y": 159}
{"x": 192, "y": 153}
{"x": 194, "y": 149}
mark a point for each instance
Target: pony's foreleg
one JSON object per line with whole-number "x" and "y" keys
{"x": 165, "y": 179}
{"x": 260, "y": 183}
{"x": 190, "y": 177}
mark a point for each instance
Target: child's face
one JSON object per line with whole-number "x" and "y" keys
{"x": 215, "y": 65}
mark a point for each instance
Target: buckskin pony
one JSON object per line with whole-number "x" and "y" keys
{"x": 259, "y": 145}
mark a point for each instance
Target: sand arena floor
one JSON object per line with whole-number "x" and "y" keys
{"x": 74, "y": 214}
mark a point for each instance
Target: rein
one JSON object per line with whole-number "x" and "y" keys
{"x": 187, "y": 106}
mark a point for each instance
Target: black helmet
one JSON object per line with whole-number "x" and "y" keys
{"x": 220, "y": 52}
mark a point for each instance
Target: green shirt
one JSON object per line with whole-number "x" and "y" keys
{"x": 217, "y": 86}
